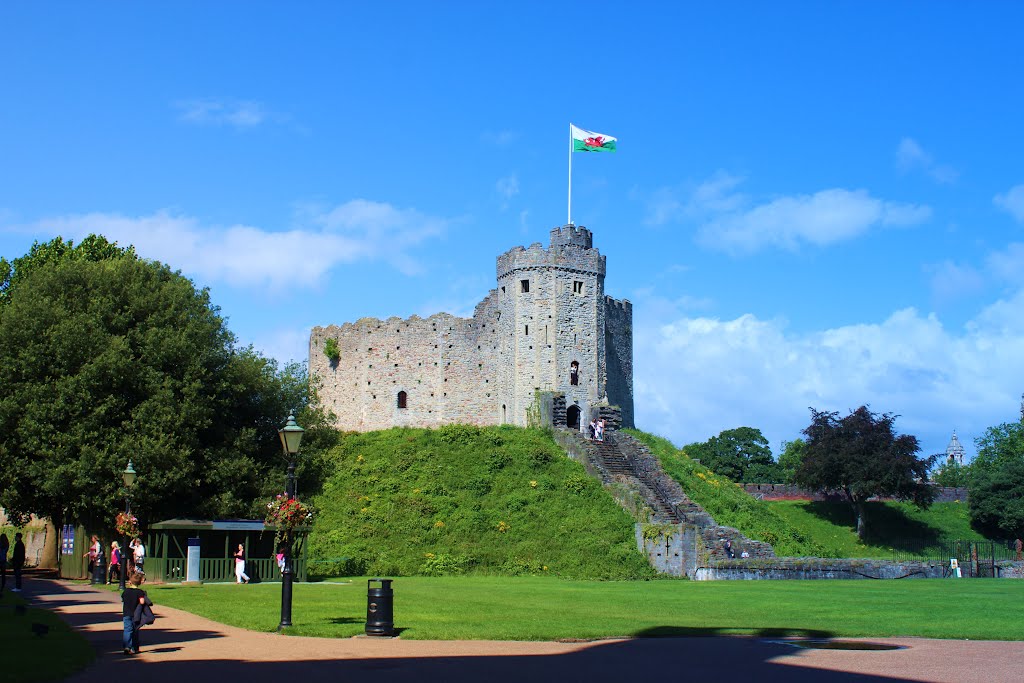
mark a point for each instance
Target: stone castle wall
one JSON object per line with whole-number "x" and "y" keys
{"x": 545, "y": 320}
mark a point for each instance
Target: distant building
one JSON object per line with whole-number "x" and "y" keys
{"x": 955, "y": 452}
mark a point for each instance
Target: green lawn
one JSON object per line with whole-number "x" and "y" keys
{"x": 50, "y": 657}
{"x": 547, "y": 608}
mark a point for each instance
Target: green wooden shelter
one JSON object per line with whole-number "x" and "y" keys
{"x": 168, "y": 551}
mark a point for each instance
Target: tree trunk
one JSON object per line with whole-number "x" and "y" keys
{"x": 862, "y": 521}
{"x": 50, "y": 557}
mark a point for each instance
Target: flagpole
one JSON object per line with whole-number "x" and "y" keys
{"x": 569, "y": 220}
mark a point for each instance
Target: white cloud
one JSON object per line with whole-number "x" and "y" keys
{"x": 698, "y": 376}
{"x": 910, "y": 156}
{"x": 223, "y": 112}
{"x": 730, "y": 220}
{"x": 951, "y": 281}
{"x": 284, "y": 344}
{"x": 507, "y": 187}
{"x": 1008, "y": 264}
{"x": 821, "y": 219}
{"x": 499, "y": 138}
{"x": 243, "y": 255}
{"x": 1012, "y": 202}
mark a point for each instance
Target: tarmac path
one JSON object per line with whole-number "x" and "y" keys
{"x": 185, "y": 648}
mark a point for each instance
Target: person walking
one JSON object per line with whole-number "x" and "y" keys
{"x": 5, "y": 548}
{"x": 94, "y": 552}
{"x": 115, "y": 562}
{"x": 132, "y": 599}
{"x": 240, "y": 576}
{"x": 17, "y": 561}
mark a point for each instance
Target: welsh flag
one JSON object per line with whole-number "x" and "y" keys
{"x": 589, "y": 141}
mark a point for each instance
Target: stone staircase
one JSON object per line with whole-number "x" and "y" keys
{"x": 622, "y": 459}
{"x": 607, "y": 458}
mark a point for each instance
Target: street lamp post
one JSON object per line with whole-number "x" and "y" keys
{"x": 128, "y": 476}
{"x": 291, "y": 436}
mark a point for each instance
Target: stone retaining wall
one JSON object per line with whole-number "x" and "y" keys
{"x": 819, "y": 568}
{"x": 943, "y": 494}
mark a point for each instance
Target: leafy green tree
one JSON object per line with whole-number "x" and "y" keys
{"x": 108, "y": 360}
{"x": 996, "y": 482}
{"x": 951, "y": 474}
{"x": 741, "y": 454}
{"x": 92, "y": 248}
{"x": 791, "y": 458}
{"x": 860, "y": 456}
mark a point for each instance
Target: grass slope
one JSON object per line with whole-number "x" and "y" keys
{"x": 546, "y": 608}
{"x": 802, "y": 528}
{"x": 833, "y": 526}
{"x": 464, "y": 499}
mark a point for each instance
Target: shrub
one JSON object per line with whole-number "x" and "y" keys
{"x": 331, "y": 350}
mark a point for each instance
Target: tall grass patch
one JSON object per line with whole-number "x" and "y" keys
{"x": 463, "y": 499}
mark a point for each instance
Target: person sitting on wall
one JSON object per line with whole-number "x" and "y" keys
{"x": 728, "y": 549}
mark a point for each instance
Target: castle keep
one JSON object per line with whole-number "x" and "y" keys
{"x": 547, "y": 327}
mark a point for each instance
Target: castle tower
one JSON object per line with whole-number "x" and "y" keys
{"x": 547, "y": 326}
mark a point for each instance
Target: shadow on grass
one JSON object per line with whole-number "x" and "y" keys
{"x": 888, "y": 525}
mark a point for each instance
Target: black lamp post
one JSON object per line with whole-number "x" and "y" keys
{"x": 128, "y": 476}
{"x": 291, "y": 436}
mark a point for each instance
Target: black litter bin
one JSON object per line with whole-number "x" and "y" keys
{"x": 380, "y": 608}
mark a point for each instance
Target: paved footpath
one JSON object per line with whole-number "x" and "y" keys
{"x": 184, "y": 648}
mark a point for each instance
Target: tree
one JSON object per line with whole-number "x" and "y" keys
{"x": 791, "y": 458}
{"x": 860, "y": 456}
{"x": 741, "y": 454}
{"x": 996, "y": 482}
{"x": 92, "y": 248}
{"x": 103, "y": 361}
{"x": 952, "y": 475}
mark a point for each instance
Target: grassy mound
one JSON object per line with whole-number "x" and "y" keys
{"x": 804, "y": 528}
{"x": 462, "y": 499}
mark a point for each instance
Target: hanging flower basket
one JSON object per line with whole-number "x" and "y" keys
{"x": 286, "y": 515}
{"x": 127, "y": 525}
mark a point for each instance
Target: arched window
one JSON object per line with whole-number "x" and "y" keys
{"x": 574, "y": 373}
{"x": 402, "y": 396}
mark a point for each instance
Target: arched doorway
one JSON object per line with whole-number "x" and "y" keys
{"x": 572, "y": 417}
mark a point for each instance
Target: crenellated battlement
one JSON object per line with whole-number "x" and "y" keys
{"x": 571, "y": 250}
{"x": 620, "y": 304}
{"x": 572, "y": 235}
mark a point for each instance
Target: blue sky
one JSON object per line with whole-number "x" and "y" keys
{"x": 812, "y": 204}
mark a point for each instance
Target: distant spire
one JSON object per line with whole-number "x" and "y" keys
{"x": 955, "y": 451}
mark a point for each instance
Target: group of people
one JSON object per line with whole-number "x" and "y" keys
{"x": 240, "y": 575}
{"x": 17, "y": 561}
{"x": 596, "y": 429}
{"x": 135, "y": 558}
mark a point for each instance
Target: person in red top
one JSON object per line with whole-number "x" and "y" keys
{"x": 115, "y": 562}
{"x": 240, "y": 575}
